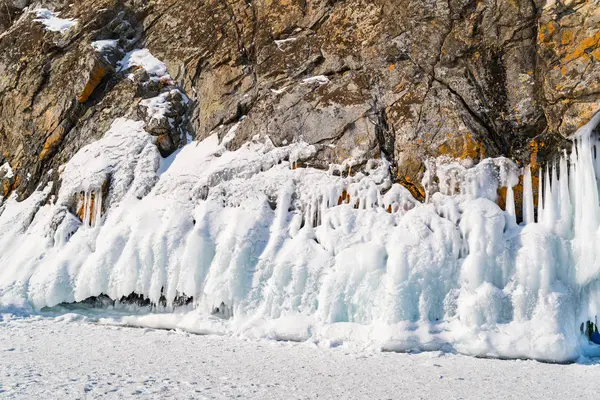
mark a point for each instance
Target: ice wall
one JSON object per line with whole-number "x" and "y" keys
{"x": 299, "y": 253}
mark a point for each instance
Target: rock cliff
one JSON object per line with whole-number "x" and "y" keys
{"x": 359, "y": 79}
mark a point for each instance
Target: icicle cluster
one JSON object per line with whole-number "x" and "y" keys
{"x": 92, "y": 208}
{"x": 568, "y": 202}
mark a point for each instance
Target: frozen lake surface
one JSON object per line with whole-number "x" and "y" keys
{"x": 69, "y": 358}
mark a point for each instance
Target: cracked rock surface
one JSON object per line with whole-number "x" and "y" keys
{"x": 359, "y": 79}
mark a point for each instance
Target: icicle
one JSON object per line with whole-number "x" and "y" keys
{"x": 316, "y": 212}
{"x": 528, "y": 207}
{"x": 308, "y": 215}
{"x": 555, "y": 187}
{"x": 549, "y": 205}
{"x": 572, "y": 174}
{"x": 283, "y": 204}
{"x": 510, "y": 207}
{"x": 540, "y": 211}
{"x": 322, "y": 210}
{"x": 597, "y": 161}
{"x": 587, "y": 213}
{"x": 98, "y": 208}
{"x": 86, "y": 208}
{"x": 566, "y": 211}
{"x": 312, "y": 212}
{"x": 589, "y": 188}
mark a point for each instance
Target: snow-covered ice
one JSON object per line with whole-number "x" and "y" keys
{"x": 72, "y": 357}
{"x": 52, "y": 22}
{"x": 303, "y": 254}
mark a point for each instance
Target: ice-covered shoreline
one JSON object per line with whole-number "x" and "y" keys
{"x": 300, "y": 253}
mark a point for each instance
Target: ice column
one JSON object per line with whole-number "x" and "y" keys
{"x": 528, "y": 207}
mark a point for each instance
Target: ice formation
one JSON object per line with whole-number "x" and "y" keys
{"x": 299, "y": 253}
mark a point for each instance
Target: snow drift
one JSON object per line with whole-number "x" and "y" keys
{"x": 299, "y": 253}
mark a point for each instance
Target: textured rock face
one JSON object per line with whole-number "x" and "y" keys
{"x": 406, "y": 79}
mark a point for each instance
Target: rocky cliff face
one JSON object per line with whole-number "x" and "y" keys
{"x": 403, "y": 79}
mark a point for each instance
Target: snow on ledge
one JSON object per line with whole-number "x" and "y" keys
{"x": 102, "y": 45}
{"x": 143, "y": 58}
{"x": 320, "y": 79}
{"x": 6, "y": 171}
{"x": 52, "y": 22}
{"x": 281, "y": 43}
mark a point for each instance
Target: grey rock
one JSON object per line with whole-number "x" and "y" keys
{"x": 406, "y": 79}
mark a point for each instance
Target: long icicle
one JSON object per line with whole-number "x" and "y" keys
{"x": 510, "y": 207}
{"x": 528, "y": 206}
{"x": 86, "y": 209}
{"x": 549, "y": 206}
{"x": 540, "y": 211}
{"x": 566, "y": 209}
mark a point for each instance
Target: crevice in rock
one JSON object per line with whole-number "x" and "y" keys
{"x": 493, "y": 135}
{"x": 337, "y": 136}
{"x": 385, "y": 133}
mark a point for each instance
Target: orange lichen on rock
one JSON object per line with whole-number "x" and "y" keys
{"x": 567, "y": 37}
{"x": 96, "y": 75}
{"x": 6, "y": 188}
{"x": 52, "y": 143}
{"x": 463, "y": 147}
{"x": 534, "y": 147}
{"x": 415, "y": 189}
{"x": 15, "y": 184}
{"x": 547, "y": 30}
{"x": 585, "y": 46}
